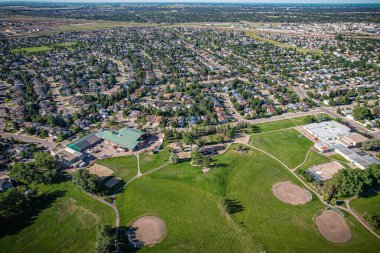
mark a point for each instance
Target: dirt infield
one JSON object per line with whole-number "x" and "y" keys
{"x": 100, "y": 170}
{"x": 147, "y": 231}
{"x": 290, "y": 193}
{"x": 333, "y": 227}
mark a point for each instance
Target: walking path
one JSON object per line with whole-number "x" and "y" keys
{"x": 352, "y": 212}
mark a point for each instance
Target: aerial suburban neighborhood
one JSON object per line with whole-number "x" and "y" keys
{"x": 189, "y": 127}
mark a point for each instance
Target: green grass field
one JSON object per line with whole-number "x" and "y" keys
{"x": 190, "y": 204}
{"x": 124, "y": 167}
{"x": 150, "y": 161}
{"x": 278, "y": 125}
{"x": 370, "y": 205}
{"x": 66, "y": 222}
{"x": 288, "y": 145}
{"x": 314, "y": 159}
{"x": 41, "y": 48}
{"x": 283, "y": 45}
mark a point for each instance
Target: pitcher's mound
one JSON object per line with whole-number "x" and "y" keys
{"x": 290, "y": 193}
{"x": 146, "y": 231}
{"x": 333, "y": 227}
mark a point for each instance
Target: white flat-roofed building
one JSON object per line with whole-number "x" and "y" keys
{"x": 328, "y": 132}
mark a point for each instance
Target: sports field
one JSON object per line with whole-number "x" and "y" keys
{"x": 64, "y": 221}
{"x": 41, "y": 48}
{"x": 189, "y": 202}
{"x": 368, "y": 205}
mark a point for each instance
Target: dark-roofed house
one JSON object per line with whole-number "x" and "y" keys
{"x": 85, "y": 142}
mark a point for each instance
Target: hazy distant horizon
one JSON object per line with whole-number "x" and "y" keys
{"x": 209, "y": 1}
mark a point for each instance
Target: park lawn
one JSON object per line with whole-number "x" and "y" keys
{"x": 149, "y": 161}
{"x": 66, "y": 222}
{"x": 279, "y": 124}
{"x": 42, "y": 48}
{"x": 314, "y": 159}
{"x": 190, "y": 204}
{"x": 283, "y": 45}
{"x": 368, "y": 205}
{"x": 124, "y": 167}
{"x": 288, "y": 145}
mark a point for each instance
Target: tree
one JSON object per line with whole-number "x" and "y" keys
{"x": 173, "y": 158}
{"x": 104, "y": 239}
{"x": 196, "y": 156}
{"x": 206, "y": 161}
{"x": 361, "y": 113}
{"x": 82, "y": 179}
{"x": 15, "y": 202}
{"x": 351, "y": 182}
{"x": 372, "y": 145}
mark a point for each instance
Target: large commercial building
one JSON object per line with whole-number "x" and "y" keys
{"x": 334, "y": 136}
{"x": 126, "y": 138}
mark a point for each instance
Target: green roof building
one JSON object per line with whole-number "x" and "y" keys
{"x": 128, "y": 138}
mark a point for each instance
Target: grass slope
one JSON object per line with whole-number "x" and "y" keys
{"x": 66, "y": 223}
{"x": 124, "y": 167}
{"x": 150, "y": 161}
{"x": 41, "y": 48}
{"x": 287, "y": 145}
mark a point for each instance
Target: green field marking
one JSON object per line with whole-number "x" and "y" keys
{"x": 124, "y": 167}
{"x": 278, "y": 124}
{"x": 66, "y": 222}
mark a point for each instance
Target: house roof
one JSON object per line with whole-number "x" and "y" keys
{"x": 125, "y": 138}
{"x": 84, "y": 142}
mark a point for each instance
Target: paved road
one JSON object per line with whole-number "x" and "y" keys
{"x": 31, "y": 139}
{"x": 332, "y": 111}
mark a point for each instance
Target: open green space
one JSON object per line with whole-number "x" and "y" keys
{"x": 278, "y": 125}
{"x": 149, "y": 161}
{"x": 42, "y": 48}
{"x": 282, "y": 45}
{"x": 314, "y": 159}
{"x": 63, "y": 220}
{"x": 288, "y": 145}
{"x": 368, "y": 205}
{"x": 124, "y": 167}
{"x": 190, "y": 203}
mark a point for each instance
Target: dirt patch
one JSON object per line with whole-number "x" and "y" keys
{"x": 333, "y": 227}
{"x": 290, "y": 193}
{"x": 100, "y": 170}
{"x": 146, "y": 231}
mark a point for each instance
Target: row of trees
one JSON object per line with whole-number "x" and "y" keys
{"x": 42, "y": 170}
{"x": 352, "y": 182}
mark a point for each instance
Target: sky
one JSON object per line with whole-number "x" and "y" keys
{"x": 215, "y": 1}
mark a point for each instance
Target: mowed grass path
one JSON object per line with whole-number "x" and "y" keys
{"x": 149, "y": 161}
{"x": 190, "y": 204}
{"x": 288, "y": 145}
{"x": 124, "y": 167}
{"x": 66, "y": 223}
